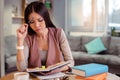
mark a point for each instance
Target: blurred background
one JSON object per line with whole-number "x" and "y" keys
{"x": 76, "y": 17}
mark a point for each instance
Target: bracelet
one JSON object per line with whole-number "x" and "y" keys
{"x": 19, "y": 47}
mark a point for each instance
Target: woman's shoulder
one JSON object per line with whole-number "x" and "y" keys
{"x": 55, "y": 29}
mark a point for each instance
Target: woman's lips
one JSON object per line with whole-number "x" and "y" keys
{"x": 37, "y": 29}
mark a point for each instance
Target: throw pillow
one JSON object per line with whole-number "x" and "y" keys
{"x": 95, "y": 46}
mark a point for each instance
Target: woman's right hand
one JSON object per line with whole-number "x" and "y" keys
{"x": 22, "y": 32}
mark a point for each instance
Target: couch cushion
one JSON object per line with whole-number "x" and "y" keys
{"x": 114, "y": 45}
{"x": 86, "y": 39}
{"x": 74, "y": 42}
{"x": 10, "y": 45}
{"x": 118, "y": 50}
{"x": 95, "y": 46}
{"x": 10, "y": 62}
{"x": 114, "y": 60}
{"x": 81, "y": 56}
{"x": 101, "y": 58}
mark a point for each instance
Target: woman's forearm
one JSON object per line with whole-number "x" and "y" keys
{"x": 21, "y": 57}
{"x": 20, "y": 53}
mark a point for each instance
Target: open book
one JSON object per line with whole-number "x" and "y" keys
{"x": 52, "y": 67}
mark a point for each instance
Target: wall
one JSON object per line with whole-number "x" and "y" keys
{"x": 1, "y": 38}
{"x": 59, "y": 13}
{"x": 7, "y": 17}
{"x": 12, "y": 24}
{"x": 16, "y": 22}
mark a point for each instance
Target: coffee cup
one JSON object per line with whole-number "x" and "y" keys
{"x": 21, "y": 76}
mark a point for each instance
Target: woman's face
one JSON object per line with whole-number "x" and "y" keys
{"x": 36, "y": 22}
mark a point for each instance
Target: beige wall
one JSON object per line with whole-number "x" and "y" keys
{"x": 1, "y": 38}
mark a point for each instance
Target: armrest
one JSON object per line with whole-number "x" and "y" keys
{"x": 118, "y": 49}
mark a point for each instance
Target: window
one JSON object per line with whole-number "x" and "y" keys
{"x": 86, "y": 16}
{"x": 114, "y": 14}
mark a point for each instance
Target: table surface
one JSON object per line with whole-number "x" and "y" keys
{"x": 9, "y": 76}
{"x": 110, "y": 76}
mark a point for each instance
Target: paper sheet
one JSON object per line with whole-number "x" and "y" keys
{"x": 51, "y": 76}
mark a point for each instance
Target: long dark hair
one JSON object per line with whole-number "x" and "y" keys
{"x": 41, "y": 9}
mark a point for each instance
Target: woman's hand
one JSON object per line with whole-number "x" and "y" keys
{"x": 50, "y": 72}
{"x": 21, "y": 32}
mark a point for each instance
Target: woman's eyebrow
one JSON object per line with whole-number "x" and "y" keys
{"x": 37, "y": 18}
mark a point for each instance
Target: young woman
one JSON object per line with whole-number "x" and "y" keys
{"x": 40, "y": 42}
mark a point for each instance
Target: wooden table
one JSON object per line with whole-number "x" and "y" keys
{"x": 9, "y": 76}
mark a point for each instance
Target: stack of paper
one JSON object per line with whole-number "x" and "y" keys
{"x": 51, "y": 76}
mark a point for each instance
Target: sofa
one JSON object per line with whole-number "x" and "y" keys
{"x": 110, "y": 56}
{"x": 10, "y": 53}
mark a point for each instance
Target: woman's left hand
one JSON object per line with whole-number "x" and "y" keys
{"x": 51, "y": 72}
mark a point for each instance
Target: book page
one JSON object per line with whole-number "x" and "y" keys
{"x": 52, "y": 67}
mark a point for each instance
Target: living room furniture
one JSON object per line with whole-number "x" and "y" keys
{"x": 9, "y": 76}
{"x": 10, "y": 53}
{"x": 110, "y": 56}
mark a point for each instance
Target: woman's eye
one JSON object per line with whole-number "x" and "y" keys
{"x": 40, "y": 20}
{"x": 31, "y": 22}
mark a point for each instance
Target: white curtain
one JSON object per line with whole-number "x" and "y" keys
{"x": 86, "y": 15}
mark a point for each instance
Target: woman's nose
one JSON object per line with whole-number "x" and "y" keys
{"x": 36, "y": 23}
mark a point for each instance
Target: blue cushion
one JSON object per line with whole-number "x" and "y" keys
{"x": 95, "y": 46}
